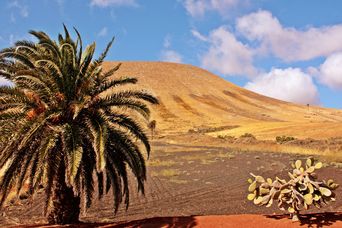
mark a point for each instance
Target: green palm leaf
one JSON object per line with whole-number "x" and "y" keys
{"x": 68, "y": 126}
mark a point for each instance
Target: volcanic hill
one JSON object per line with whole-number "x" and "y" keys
{"x": 192, "y": 98}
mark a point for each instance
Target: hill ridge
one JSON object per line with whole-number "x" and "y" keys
{"x": 192, "y": 97}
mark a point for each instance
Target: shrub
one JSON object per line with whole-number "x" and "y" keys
{"x": 300, "y": 192}
{"x": 226, "y": 137}
{"x": 247, "y": 135}
{"x": 207, "y": 129}
{"x": 284, "y": 139}
{"x": 152, "y": 126}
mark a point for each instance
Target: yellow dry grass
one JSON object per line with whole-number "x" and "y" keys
{"x": 330, "y": 155}
{"x": 166, "y": 173}
{"x": 192, "y": 97}
{"x": 301, "y": 130}
{"x": 158, "y": 162}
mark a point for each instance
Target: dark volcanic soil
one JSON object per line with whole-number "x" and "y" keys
{"x": 192, "y": 178}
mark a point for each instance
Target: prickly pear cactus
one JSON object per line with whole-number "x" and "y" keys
{"x": 300, "y": 192}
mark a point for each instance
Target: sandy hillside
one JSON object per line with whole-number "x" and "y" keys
{"x": 192, "y": 98}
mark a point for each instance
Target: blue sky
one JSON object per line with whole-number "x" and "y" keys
{"x": 287, "y": 49}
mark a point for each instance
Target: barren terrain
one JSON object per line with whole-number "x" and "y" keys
{"x": 200, "y": 163}
{"x": 187, "y": 178}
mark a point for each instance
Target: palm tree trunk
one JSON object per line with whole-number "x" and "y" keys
{"x": 65, "y": 207}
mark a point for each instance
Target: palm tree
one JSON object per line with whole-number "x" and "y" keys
{"x": 71, "y": 127}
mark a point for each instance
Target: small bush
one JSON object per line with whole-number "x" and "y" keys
{"x": 207, "y": 129}
{"x": 226, "y": 137}
{"x": 192, "y": 131}
{"x": 247, "y": 135}
{"x": 284, "y": 139}
{"x": 300, "y": 192}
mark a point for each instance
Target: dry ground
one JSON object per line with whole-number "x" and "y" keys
{"x": 188, "y": 176}
{"x": 197, "y": 173}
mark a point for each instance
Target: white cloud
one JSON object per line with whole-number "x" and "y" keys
{"x": 61, "y": 6}
{"x": 5, "y": 82}
{"x": 197, "y": 8}
{"x": 198, "y": 35}
{"x": 226, "y": 54}
{"x": 289, "y": 84}
{"x": 12, "y": 39}
{"x": 313, "y": 71}
{"x": 21, "y": 8}
{"x": 288, "y": 43}
{"x": 167, "y": 41}
{"x": 103, "y": 32}
{"x": 108, "y": 3}
{"x": 171, "y": 56}
{"x": 330, "y": 72}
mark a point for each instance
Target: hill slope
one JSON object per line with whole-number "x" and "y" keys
{"x": 192, "y": 97}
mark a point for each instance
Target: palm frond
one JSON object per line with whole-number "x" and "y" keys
{"x": 98, "y": 129}
{"x": 105, "y": 52}
{"x": 74, "y": 151}
{"x": 110, "y": 84}
{"x": 66, "y": 122}
{"x": 132, "y": 126}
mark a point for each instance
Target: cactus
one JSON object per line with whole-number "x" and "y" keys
{"x": 301, "y": 191}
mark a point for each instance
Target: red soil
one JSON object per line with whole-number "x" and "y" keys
{"x": 202, "y": 178}
{"x": 256, "y": 221}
